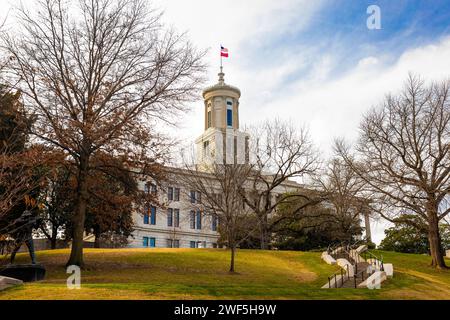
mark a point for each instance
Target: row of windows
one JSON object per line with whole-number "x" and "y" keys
{"x": 151, "y": 242}
{"x": 173, "y": 243}
{"x": 173, "y": 218}
{"x": 173, "y": 194}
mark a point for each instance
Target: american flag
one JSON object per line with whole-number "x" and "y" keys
{"x": 223, "y": 52}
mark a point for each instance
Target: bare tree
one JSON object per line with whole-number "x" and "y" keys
{"x": 403, "y": 154}
{"x": 344, "y": 191}
{"x": 221, "y": 199}
{"x": 278, "y": 152}
{"x": 100, "y": 75}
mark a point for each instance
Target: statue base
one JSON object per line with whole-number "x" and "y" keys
{"x": 24, "y": 272}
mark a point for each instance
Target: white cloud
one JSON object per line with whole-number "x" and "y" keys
{"x": 333, "y": 107}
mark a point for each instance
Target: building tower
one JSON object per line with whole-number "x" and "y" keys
{"x": 222, "y": 141}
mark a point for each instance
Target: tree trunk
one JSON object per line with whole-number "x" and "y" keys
{"x": 434, "y": 239}
{"x": 53, "y": 243}
{"x": 53, "y": 238}
{"x": 264, "y": 233}
{"x": 233, "y": 253}
{"x": 76, "y": 254}
{"x": 97, "y": 240}
{"x": 262, "y": 237}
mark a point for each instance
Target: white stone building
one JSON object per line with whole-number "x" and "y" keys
{"x": 179, "y": 224}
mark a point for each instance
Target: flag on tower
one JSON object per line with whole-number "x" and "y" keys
{"x": 223, "y": 52}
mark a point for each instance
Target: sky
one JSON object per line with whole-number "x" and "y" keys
{"x": 314, "y": 63}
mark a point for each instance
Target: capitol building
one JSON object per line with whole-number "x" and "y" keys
{"x": 179, "y": 223}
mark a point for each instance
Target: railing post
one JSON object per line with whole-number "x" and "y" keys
{"x": 342, "y": 277}
{"x": 335, "y": 282}
{"x": 329, "y": 283}
{"x": 355, "y": 280}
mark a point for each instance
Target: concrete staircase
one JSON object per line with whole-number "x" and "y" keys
{"x": 356, "y": 272}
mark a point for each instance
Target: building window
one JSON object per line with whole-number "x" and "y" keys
{"x": 193, "y": 244}
{"x": 205, "y": 147}
{"x": 214, "y": 223}
{"x": 170, "y": 217}
{"x": 152, "y": 215}
{"x": 176, "y": 243}
{"x": 195, "y": 197}
{"x": 150, "y": 188}
{"x": 152, "y": 242}
{"x": 192, "y": 219}
{"x": 199, "y": 220}
{"x": 229, "y": 113}
{"x": 146, "y": 216}
{"x": 176, "y": 195}
{"x": 170, "y": 193}
{"x": 229, "y": 117}
{"x": 209, "y": 119}
{"x": 219, "y": 199}
{"x": 145, "y": 241}
{"x": 176, "y": 218}
{"x": 201, "y": 244}
{"x": 169, "y": 243}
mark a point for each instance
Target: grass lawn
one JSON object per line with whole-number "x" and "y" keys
{"x": 202, "y": 274}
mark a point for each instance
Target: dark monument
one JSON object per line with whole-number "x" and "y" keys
{"x": 22, "y": 232}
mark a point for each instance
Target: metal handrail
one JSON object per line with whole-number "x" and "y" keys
{"x": 378, "y": 261}
{"x": 342, "y": 274}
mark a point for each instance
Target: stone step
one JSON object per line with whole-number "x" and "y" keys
{"x": 6, "y": 282}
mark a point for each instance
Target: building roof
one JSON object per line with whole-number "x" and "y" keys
{"x": 221, "y": 85}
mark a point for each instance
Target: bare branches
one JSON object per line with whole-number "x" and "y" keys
{"x": 278, "y": 153}
{"x": 221, "y": 199}
{"x": 403, "y": 155}
{"x": 93, "y": 79}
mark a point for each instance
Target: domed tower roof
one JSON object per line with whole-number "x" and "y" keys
{"x": 221, "y": 85}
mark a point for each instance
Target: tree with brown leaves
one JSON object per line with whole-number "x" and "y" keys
{"x": 100, "y": 76}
